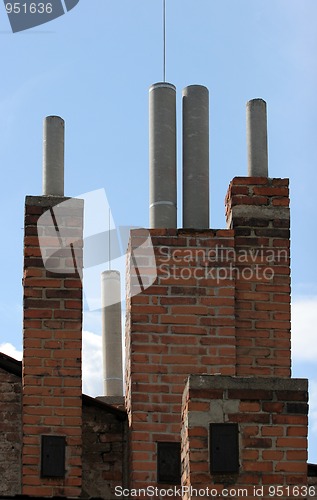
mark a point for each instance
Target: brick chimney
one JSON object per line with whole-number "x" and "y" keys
{"x": 218, "y": 316}
{"x": 52, "y": 333}
{"x": 257, "y": 209}
{"x": 220, "y": 305}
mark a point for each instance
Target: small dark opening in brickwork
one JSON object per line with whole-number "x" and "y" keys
{"x": 53, "y": 456}
{"x": 224, "y": 448}
{"x": 299, "y": 408}
{"x": 169, "y": 463}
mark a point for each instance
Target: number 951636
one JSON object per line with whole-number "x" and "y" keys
{"x": 28, "y": 8}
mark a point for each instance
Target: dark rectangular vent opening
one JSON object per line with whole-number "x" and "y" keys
{"x": 53, "y": 456}
{"x": 224, "y": 448}
{"x": 169, "y": 463}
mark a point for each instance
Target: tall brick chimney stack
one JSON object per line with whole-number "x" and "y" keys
{"x": 52, "y": 335}
{"x": 257, "y": 209}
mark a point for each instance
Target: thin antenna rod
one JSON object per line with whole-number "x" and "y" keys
{"x": 164, "y": 40}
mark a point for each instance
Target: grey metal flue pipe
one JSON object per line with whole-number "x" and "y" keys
{"x": 53, "y": 156}
{"x": 257, "y": 138}
{"x": 111, "y": 333}
{"x": 162, "y": 155}
{"x": 196, "y": 157}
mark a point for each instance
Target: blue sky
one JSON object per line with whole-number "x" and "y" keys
{"x": 94, "y": 65}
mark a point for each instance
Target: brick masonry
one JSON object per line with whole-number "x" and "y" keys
{"x": 272, "y": 419}
{"x": 10, "y": 433}
{"x": 104, "y": 450}
{"x": 220, "y": 304}
{"x": 51, "y": 397}
{"x": 257, "y": 209}
{"x": 182, "y": 324}
{"x": 218, "y": 309}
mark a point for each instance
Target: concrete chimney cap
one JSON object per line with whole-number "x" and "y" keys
{"x": 257, "y": 100}
{"x": 162, "y": 85}
{"x": 110, "y": 274}
{"x": 54, "y": 117}
{"x": 196, "y": 86}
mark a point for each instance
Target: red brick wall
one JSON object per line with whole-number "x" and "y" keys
{"x": 51, "y": 403}
{"x": 10, "y": 433}
{"x": 182, "y": 324}
{"x": 257, "y": 210}
{"x": 272, "y": 419}
{"x": 220, "y": 305}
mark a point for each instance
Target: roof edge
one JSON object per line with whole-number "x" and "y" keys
{"x": 10, "y": 364}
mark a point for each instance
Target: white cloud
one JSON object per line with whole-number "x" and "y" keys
{"x": 11, "y": 350}
{"x": 304, "y": 351}
{"x": 92, "y": 364}
{"x": 304, "y": 321}
{"x": 92, "y": 321}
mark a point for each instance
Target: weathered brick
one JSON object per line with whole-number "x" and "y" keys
{"x": 46, "y": 295}
{"x": 242, "y": 332}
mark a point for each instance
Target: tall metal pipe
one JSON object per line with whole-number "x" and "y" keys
{"x": 257, "y": 138}
{"x": 111, "y": 333}
{"x": 196, "y": 157}
{"x": 53, "y": 156}
{"x": 162, "y": 136}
